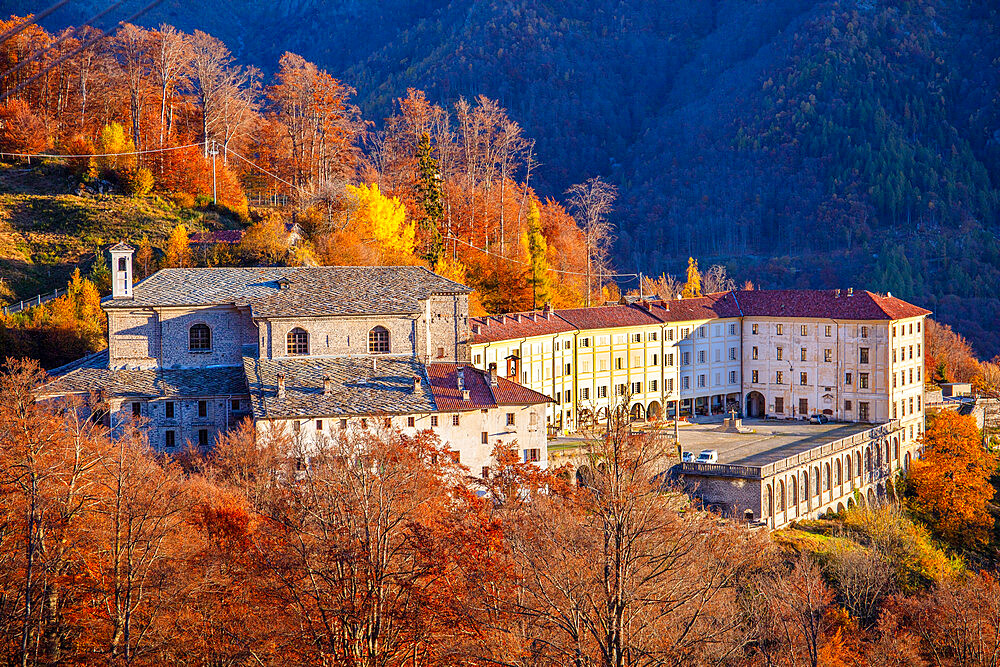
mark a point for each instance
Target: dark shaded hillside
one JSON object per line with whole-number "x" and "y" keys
{"x": 804, "y": 143}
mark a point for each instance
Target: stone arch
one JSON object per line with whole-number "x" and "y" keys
{"x": 804, "y": 490}
{"x": 850, "y": 503}
{"x": 755, "y": 404}
{"x": 840, "y": 508}
{"x": 827, "y": 480}
{"x": 637, "y": 412}
{"x": 817, "y": 482}
{"x": 888, "y": 452}
{"x": 895, "y": 448}
{"x": 654, "y": 410}
{"x": 906, "y": 462}
{"x": 781, "y": 495}
{"x": 838, "y": 471}
{"x": 857, "y": 464}
{"x": 602, "y": 414}
{"x": 872, "y": 500}
{"x": 584, "y": 476}
{"x": 769, "y": 502}
{"x": 794, "y": 501}
{"x": 868, "y": 459}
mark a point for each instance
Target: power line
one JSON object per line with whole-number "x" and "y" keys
{"x": 143, "y": 152}
{"x": 35, "y": 19}
{"x": 84, "y": 45}
{"x": 259, "y": 168}
{"x": 516, "y": 261}
{"x": 69, "y": 33}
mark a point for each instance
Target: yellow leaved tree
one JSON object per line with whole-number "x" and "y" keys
{"x": 381, "y": 221}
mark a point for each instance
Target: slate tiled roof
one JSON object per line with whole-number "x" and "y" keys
{"x": 357, "y": 387}
{"x": 294, "y": 291}
{"x": 91, "y": 374}
{"x": 830, "y": 304}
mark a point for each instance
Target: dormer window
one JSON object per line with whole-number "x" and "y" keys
{"x": 378, "y": 341}
{"x": 297, "y": 342}
{"x": 200, "y": 338}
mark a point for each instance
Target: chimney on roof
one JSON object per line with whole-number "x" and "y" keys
{"x": 493, "y": 375}
{"x": 416, "y": 382}
{"x": 374, "y": 363}
{"x": 517, "y": 317}
{"x": 327, "y": 385}
{"x": 281, "y": 385}
{"x": 888, "y": 295}
{"x": 850, "y": 291}
{"x": 836, "y": 293}
{"x": 461, "y": 378}
{"x": 547, "y": 308}
{"x": 475, "y": 328}
{"x": 466, "y": 394}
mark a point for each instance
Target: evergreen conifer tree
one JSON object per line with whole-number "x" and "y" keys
{"x": 431, "y": 199}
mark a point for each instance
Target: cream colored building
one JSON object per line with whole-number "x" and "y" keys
{"x": 853, "y": 356}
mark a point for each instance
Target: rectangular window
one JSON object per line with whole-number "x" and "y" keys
{"x": 864, "y": 332}
{"x": 569, "y": 369}
{"x": 136, "y": 409}
{"x": 911, "y": 327}
{"x": 532, "y": 455}
{"x": 911, "y": 376}
{"x": 848, "y": 378}
{"x": 434, "y": 420}
{"x": 803, "y": 378}
{"x": 827, "y": 355}
{"x": 686, "y": 359}
{"x": 802, "y": 354}
{"x": 619, "y": 362}
{"x": 637, "y": 338}
{"x": 203, "y": 437}
{"x": 602, "y": 391}
{"x": 828, "y": 331}
{"x": 485, "y": 438}
{"x": 567, "y": 396}
{"x": 670, "y": 334}
{"x": 585, "y": 394}
{"x": 893, "y": 355}
{"x": 411, "y": 421}
{"x": 652, "y": 385}
{"x": 701, "y": 356}
{"x": 202, "y": 408}
{"x": 803, "y": 330}
{"x": 779, "y": 329}
{"x": 170, "y": 439}
{"x": 732, "y": 354}
{"x": 670, "y": 384}
{"x": 455, "y": 420}
{"x": 918, "y": 373}
{"x": 918, "y": 403}
{"x": 620, "y": 389}
{"x": 655, "y": 360}
{"x": 296, "y": 426}
{"x": 755, "y": 376}
{"x": 754, "y": 329}
{"x": 701, "y": 332}
{"x": 803, "y": 406}
{"x": 636, "y": 387}
{"x": 510, "y": 419}
{"x": 584, "y": 342}
{"x": 687, "y": 382}
{"x": 910, "y": 403}
{"x": 651, "y": 335}
{"x": 685, "y": 332}
{"x": 669, "y": 360}
{"x": 779, "y": 404}
{"x": 319, "y": 425}
{"x": 894, "y": 410}
{"x": 169, "y": 410}
{"x": 863, "y": 411}
{"x": 778, "y": 377}
{"x": 918, "y": 350}
{"x": 732, "y": 377}
{"x": 778, "y": 353}
{"x": 234, "y": 405}
{"x": 485, "y": 472}
{"x": 701, "y": 380}
{"x": 893, "y": 380}
{"x": 863, "y": 355}
{"x": 862, "y": 380}
{"x": 911, "y": 352}
{"x": 848, "y": 406}
{"x": 753, "y": 353}
{"x": 732, "y": 329}
{"x": 478, "y": 359}
{"x": 718, "y": 356}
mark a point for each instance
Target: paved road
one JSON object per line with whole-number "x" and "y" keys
{"x": 771, "y": 441}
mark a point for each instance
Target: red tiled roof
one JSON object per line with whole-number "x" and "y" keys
{"x": 518, "y": 325}
{"x": 512, "y": 393}
{"x": 447, "y": 395}
{"x": 233, "y": 236}
{"x": 831, "y": 304}
{"x": 708, "y": 307}
{"x": 601, "y": 317}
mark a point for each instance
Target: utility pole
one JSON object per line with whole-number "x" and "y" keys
{"x": 213, "y": 152}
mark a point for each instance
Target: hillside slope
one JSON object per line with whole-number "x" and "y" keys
{"x": 821, "y": 144}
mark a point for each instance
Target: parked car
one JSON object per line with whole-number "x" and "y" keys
{"x": 707, "y": 456}
{"x": 819, "y": 419}
{"x": 688, "y": 457}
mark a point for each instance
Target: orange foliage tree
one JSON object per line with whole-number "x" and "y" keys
{"x": 950, "y": 482}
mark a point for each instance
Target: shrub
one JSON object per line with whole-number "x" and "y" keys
{"x": 182, "y": 199}
{"x": 138, "y": 182}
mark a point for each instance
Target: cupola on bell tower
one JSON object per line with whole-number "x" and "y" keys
{"x": 121, "y": 271}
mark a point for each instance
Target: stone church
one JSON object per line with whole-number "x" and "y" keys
{"x": 314, "y": 350}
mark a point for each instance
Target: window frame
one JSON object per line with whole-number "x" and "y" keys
{"x": 201, "y": 346}
{"x": 378, "y": 340}
{"x": 292, "y": 347}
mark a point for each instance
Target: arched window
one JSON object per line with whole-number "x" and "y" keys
{"x": 826, "y": 470}
{"x": 781, "y": 496}
{"x": 297, "y": 341}
{"x": 378, "y": 341}
{"x": 857, "y": 464}
{"x": 199, "y": 338}
{"x": 838, "y": 472}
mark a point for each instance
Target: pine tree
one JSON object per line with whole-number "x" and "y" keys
{"x": 431, "y": 199}
{"x": 538, "y": 274}
{"x": 692, "y": 287}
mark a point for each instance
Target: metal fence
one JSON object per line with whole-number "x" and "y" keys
{"x": 33, "y": 301}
